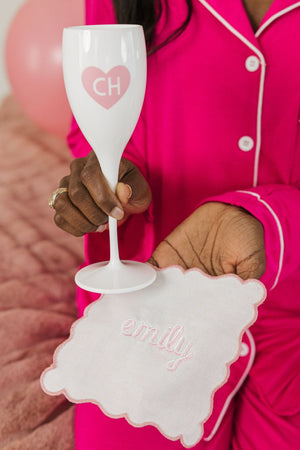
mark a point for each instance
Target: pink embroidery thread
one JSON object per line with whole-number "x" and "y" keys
{"x": 171, "y": 341}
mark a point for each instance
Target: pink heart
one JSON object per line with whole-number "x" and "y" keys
{"x": 106, "y": 88}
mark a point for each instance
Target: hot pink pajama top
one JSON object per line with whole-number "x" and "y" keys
{"x": 220, "y": 121}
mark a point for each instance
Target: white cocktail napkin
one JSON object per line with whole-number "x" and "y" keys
{"x": 157, "y": 356}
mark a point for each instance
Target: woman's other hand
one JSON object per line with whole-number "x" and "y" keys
{"x": 217, "y": 238}
{"x": 89, "y": 200}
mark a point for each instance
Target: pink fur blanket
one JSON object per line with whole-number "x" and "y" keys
{"x": 37, "y": 291}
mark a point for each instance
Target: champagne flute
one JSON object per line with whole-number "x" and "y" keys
{"x": 104, "y": 69}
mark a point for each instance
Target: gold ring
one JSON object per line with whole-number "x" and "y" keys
{"x": 55, "y": 194}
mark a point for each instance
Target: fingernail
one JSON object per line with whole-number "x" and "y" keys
{"x": 102, "y": 228}
{"x": 129, "y": 191}
{"x": 117, "y": 213}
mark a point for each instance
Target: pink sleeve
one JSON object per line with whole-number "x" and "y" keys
{"x": 278, "y": 209}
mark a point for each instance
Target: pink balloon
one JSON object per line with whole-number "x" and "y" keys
{"x": 34, "y": 60}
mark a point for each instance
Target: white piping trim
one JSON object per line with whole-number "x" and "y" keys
{"x": 232, "y": 29}
{"x": 280, "y": 232}
{"x": 232, "y": 394}
{"x": 261, "y": 84}
{"x": 258, "y": 124}
{"x": 274, "y": 17}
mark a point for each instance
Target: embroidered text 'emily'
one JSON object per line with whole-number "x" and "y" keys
{"x": 171, "y": 341}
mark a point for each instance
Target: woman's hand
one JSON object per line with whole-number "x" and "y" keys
{"x": 89, "y": 200}
{"x": 218, "y": 239}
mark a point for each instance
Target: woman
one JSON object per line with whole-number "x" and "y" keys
{"x": 209, "y": 179}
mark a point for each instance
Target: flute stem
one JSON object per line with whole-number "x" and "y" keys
{"x": 113, "y": 241}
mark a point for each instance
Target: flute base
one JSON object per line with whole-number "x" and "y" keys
{"x": 119, "y": 278}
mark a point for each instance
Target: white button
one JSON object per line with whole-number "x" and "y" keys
{"x": 244, "y": 349}
{"x": 252, "y": 63}
{"x": 246, "y": 143}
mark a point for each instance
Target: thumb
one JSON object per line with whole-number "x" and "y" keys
{"x": 134, "y": 192}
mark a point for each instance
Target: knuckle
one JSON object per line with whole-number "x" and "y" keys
{"x": 92, "y": 156}
{"x": 76, "y": 193}
{"x": 75, "y": 163}
{"x": 59, "y": 220}
{"x": 87, "y": 175}
{"x": 104, "y": 200}
{"x": 102, "y": 197}
{"x": 60, "y": 203}
{"x": 64, "y": 182}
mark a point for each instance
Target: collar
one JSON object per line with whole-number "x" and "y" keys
{"x": 232, "y": 14}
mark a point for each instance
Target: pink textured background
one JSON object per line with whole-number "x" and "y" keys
{"x": 37, "y": 292}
